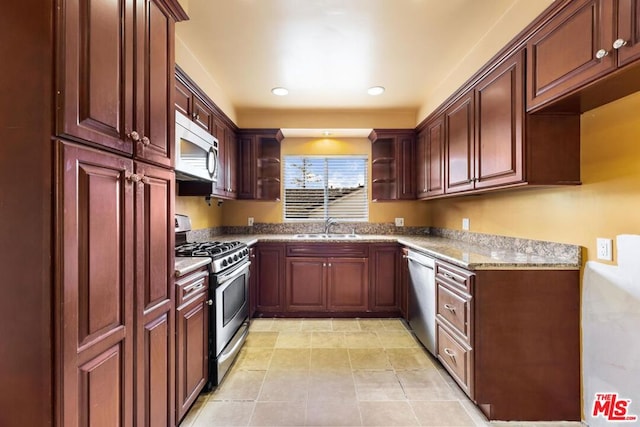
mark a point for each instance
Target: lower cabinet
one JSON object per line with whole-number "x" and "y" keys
{"x": 269, "y": 286}
{"x": 326, "y": 284}
{"x": 192, "y": 339}
{"x": 385, "y": 277}
{"x": 511, "y": 340}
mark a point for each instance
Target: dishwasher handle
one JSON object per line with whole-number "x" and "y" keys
{"x": 419, "y": 261}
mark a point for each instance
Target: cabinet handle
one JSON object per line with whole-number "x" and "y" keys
{"x": 619, "y": 43}
{"x": 450, "y": 308}
{"x": 329, "y": 265}
{"x": 450, "y": 353}
{"x": 209, "y": 302}
{"x": 601, "y": 53}
{"x": 448, "y": 276}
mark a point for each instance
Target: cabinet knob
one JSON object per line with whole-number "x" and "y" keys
{"x": 134, "y": 177}
{"x": 135, "y": 136}
{"x": 619, "y": 43}
{"x": 602, "y": 53}
{"x": 145, "y": 141}
{"x": 209, "y": 302}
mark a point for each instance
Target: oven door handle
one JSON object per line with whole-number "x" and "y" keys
{"x": 233, "y": 274}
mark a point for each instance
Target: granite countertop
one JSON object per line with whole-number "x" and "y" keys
{"x": 185, "y": 265}
{"x": 545, "y": 255}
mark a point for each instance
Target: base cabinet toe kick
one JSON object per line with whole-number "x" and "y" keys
{"x": 511, "y": 340}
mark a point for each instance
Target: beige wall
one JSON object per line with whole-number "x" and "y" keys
{"x": 605, "y": 205}
{"x": 237, "y": 212}
{"x": 202, "y": 215}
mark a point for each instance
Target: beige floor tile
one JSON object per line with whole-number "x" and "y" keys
{"x": 425, "y": 384}
{"x": 254, "y": 359}
{"x": 333, "y": 413}
{"x": 293, "y": 339}
{"x": 397, "y": 339}
{"x": 279, "y": 414}
{"x": 378, "y": 385}
{"x": 330, "y": 359}
{"x": 442, "y": 413}
{"x": 239, "y": 385}
{"x": 261, "y": 339}
{"x": 387, "y": 414}
{"x": 362, "y": 340}
{"x": 286, "y": 325}
{"x": 260, "y": 325}
{"x": 225, "y": 414}
{"x": 279, "y": 386}
{"x": 290, "y": 359}
{"x": 331, "y": 385}
{"x": 370, "y": 324}
{"x": 393, "y": 325}
{"x": 345, "y": 325}
{"x": 317, "y": 325}
{"x": 320, "y": 339}
{"x": 409, "y": 358}
{"x": 193, "y": 413}
{"x": 368, "y": 358}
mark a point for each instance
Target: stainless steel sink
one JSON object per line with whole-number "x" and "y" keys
{"x": 326, "y": 236}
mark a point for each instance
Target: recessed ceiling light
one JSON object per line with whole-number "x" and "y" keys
{"x": 280, "y": 91}
{"x": 326, "y": 133}
{"x": 375, "y": 90}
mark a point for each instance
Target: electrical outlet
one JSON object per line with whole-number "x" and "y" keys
{"x": 465, "y": 224}
{"x": 399, "y": 222}
{"x": 604, "y": 249}
{"x": 250, "y": 221}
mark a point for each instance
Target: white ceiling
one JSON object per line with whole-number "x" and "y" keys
{"x": 328, "y": 52}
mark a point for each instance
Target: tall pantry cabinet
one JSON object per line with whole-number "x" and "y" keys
{"x": 89, "y": 315}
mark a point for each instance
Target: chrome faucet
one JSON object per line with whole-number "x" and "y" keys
{"x": 328, "y": 223}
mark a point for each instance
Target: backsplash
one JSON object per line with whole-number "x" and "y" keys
{"x": 318, "y": 227}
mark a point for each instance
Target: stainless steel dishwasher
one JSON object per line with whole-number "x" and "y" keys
{"x": 422, "y": 298}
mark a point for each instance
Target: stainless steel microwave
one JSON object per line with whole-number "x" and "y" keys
{"x": 196, "y": 151}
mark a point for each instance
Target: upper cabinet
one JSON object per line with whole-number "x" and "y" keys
{"x": 392, "y": 164}
{"x": 115, "y": 70}
{"x": 586, "y": 40}
{"x": 459, "y": 145}
{"x": 430, "y": 159}
{"x": 259, "y": 164}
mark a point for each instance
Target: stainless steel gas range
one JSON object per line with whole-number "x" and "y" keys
{"x": 228, "y": 296}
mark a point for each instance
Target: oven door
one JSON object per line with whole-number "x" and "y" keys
{"x": 232, "y": 305}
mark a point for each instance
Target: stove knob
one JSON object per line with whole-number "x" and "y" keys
{"x": 224, "y": 262}
{"x": 235, "y": 257}
{"x": 230, "y": 260}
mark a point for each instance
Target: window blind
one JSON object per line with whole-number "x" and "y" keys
{"x": 316, "y": 188}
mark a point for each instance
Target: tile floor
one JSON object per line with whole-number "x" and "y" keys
{"x": 336, "y": 372}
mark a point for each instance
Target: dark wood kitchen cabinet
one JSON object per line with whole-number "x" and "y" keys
{"x": 259, "y": 164}
{"x": 191, "y": 105}
{"x": 585, "y": 41}
{"x": 270, "y": 277}
{"x": 116, "y": 76}
{"x": 385, "y": 277}
{"x": 192, "y": 339}
{"x": 392, "y": 164}
{"x": 430, "y": 152}
{"x": 459, "y": 145}
{"x": 226, "y": 185}
{"x": 325, "y": 283}
{"x": 500, "y": 331}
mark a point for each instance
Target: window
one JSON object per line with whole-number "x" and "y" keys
{"x": 316, "y": 188}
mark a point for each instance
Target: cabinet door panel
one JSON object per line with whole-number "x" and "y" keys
{"x": 95, "y": 66}
{"x": 154, "y": 83}
{"x": 183, "y": 98}
{"x": 155, "y": 294}
{"x": 270, "y": 272}
{"x": 435, "y": 156}
{"x": 422, "y": 167}
{"x": 499, "y": 115}
{"x": 305, "y": 287}
{"x": 561, "y": 57}
{"x": 459, "y": 134}
{"x": 406, "y": 165}
{"x": 232, "y": 160}
{"x": 385, "y": 278}
{"x": 220, "y": 185}
{"x": 348, "y": 284}
{"x": 203, "y": 116}
{"x": 95, "y": 213}
{"x": 629, "y": 30}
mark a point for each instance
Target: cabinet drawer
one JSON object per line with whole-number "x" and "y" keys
{"x": 327, "y": 250}
{"x": 192, "y": 286}
{"x": 457, "y": 359}
{"x": 454, "y": 309}
{"x": 454, "y": 276}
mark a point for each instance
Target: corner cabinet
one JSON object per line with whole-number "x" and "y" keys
{"x": 500, "y": 331}
{"x": 259, "y": 175}
{"x": 392, "y": 164}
